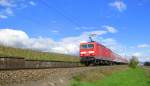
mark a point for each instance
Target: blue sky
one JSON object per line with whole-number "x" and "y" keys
{"x": 61, "y": 19}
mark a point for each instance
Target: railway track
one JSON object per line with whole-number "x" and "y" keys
{"x": 13, "y": 63}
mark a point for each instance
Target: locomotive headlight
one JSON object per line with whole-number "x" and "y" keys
{"x": 91, "y": 52}
{"x": 82, "y": 52}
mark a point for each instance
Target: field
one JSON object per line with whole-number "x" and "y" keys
{"x": 128, "y": 77}
{"x": 35, "y": 55}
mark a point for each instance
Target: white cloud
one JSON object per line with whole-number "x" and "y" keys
{"x": 12, "y": 37}
{"x": 5, "y": 13}
{"x": 18, "y": 38}
{"x": 3, "y": 17}
{"x": 119, "y": 5}
{"x": 143, "y": 46}
{"x": 107, "y": 28}
{"x": 141, "y": 51}
{"x": 138, "y": 54}
{"x": 68, "y": 45}
{"x": 6, "y": 10}
{"x": 144, "y": 59}
{"x": 55, "y": 31}
{"x": 6, "y": 3}
{"x": 32, "y": 3}
{"x": 110, "y": 29}
{"x": 141, "y": 56}
{"x": 9, "y": 11}
{"x": 8, "y": 6}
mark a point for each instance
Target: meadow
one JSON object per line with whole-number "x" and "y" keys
{"x": 35, "y": 55}
{"x": 128, "y": 77}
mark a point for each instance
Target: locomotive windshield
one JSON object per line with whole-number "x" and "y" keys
{"x": 90, "y": 45}
{"x": 85, "y": 46}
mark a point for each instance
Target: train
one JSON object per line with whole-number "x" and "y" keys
{"x": 97, "y": 54}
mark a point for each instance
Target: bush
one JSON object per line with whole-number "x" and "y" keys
{"x": 133, "y": 62}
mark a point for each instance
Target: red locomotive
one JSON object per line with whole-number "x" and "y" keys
{"x": 96, "y": 53}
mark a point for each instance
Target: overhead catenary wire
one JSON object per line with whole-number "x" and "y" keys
{"x": 60, "y": 13}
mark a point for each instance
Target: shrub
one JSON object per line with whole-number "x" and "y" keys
{"x": 133, "y": 62}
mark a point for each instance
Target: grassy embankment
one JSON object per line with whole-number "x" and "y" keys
{"x": 129, "y": 77}
{"x": 36, "y": 55}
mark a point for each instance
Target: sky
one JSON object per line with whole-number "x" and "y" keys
{"x": 60, "y": 25}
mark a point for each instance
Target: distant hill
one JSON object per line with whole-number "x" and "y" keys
{"x": 35, "y": 55}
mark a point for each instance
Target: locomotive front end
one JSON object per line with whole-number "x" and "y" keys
{"x": 87, "y": 52}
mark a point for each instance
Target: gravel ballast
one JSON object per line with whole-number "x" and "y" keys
{"x": 44, "y": 77}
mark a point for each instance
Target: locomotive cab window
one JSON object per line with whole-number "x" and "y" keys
{"x": 90, "y": 45}
{"x": 84, "y": 46}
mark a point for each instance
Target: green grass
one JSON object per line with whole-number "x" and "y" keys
{"x": 130, "y": 77}
{"x": 35, "y": 55}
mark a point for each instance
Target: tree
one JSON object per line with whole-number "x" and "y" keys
{"x": 133, "y": 62}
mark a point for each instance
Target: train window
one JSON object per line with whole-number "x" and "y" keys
{"x": 84, "y": 46}
{"x": 90, "y": 45}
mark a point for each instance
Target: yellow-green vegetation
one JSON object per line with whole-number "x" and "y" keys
{"x": 129, "y": 77}
{"x": 133, "y": 62}
{"x": 35, "y": 55}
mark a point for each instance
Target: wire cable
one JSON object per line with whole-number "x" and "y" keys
{"x": 59, "y": 12}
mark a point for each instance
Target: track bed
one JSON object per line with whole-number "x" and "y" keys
{"x": 45, "y": 77}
